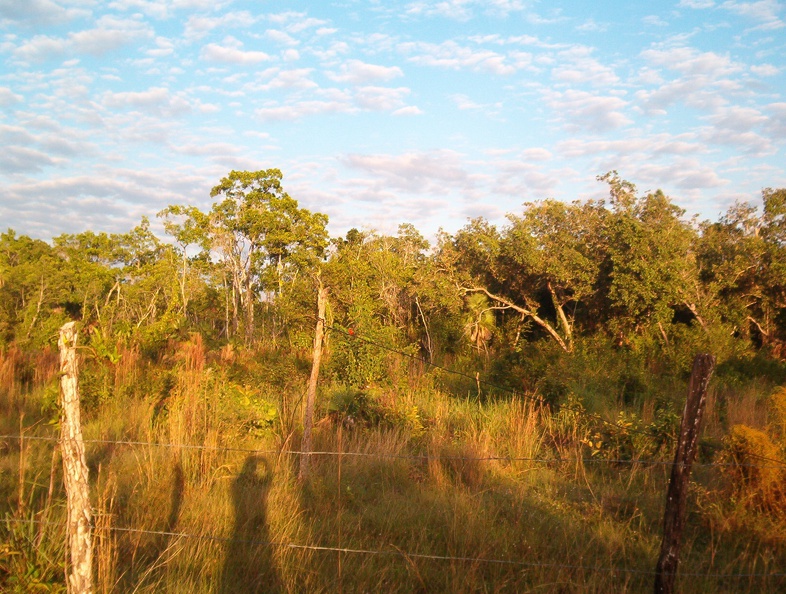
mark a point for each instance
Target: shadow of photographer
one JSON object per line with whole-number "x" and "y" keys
{"x": 250, "y": 565}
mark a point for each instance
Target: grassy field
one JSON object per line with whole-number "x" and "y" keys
{"x": 440, "y": 488}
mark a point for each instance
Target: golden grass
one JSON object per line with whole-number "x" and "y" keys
{"x": 214, "y": 520}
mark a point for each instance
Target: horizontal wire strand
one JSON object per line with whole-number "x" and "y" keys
{"x": 422, "y": 457}
{"x": 405, "y": 554}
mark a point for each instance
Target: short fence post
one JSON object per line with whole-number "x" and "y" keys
{"x": 79, "y": 572}
{"x": 674, "y": 516}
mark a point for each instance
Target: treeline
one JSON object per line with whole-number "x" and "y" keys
{"x": 632, "y": 273}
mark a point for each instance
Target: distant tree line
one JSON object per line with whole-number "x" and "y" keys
{"x": 632, "y": 272}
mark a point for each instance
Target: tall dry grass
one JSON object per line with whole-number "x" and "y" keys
{"x": 423, "y": 495}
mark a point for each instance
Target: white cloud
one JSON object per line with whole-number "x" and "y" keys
{"x": 8, "y": 97}
{"x": 765, "y": 70}
{"x": 231, "y": 53}
{"x": 156, "y": 101}
{"x": 436, "y": 172}
{"x": 705, "y": 80}
{"x": 358, "y": 72}
{"x": 591, "y": 26}
{"x": 451, "y": 55}
{"x": 295, "y": 22}
{"x": 577, "y": 66}
{"x": 462, "y": 10}
{"x": 454, "y": 9}
{"x": 381, "y": 98}
{"x": 198, "y": 26}
{"x": 583, "y": 110}
{"x": 776, "y": 127}
{"x": 736, "y": 126}
{"x": 280, "y": 37}
{"x": 40, "y": 48}
{"x": 109, "y": 35}
{"x": 465, "y": 103}
{"x": 690, "y": 61}
{"x": 410, "y": 110}
{"x": 654, "y": 21}
{"x": 536, "y": 154}
{"x": 765, "y": 11}
{"x": 300, "y": 109}
{"x": 299, "y": 78}
{"x": 696, "y": 4}
{"x": 39, "y": 13}
{"x": 164, "y": 47}
{"x": 162, "y": 9}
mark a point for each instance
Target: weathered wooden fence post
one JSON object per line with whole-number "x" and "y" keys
{"x": 79, "y": 572}
{"x": 308, "y": 413}
{"x": 674, "y": 516}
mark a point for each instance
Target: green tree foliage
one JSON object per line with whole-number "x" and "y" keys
{"x": 651, "y": 260}
{"x": 259, "y": 236}
{"x": 33, "y": 290}
{"x": 633, "y": 271}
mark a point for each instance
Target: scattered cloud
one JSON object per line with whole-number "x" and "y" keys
{"x": 231, "y": 52}
{"x": 696, "y": 4}
{"x": 280, "y": 37}
{"x": 576, "y": 65}
{"x": 581, "y": 110}
{"x": 381, "y": 98}
{"x": 38, "y": 13}
{"x": 765, "y": 70}
{"x": 453, "y": 56}
{"x": 410, "y": 110}
{"x": 110, "y": 34}
{"x": 8, "y": 97}
{"x": 156, "y": 101}
{"x": 437, "y": 109}
{"x": 358, "y": 72}
{"x": 437, "y": 172}
{"x": 654, "y": 20}
{"x": 276, "y": 78}
{"x": 766, "y": 12}
{"x": 199, "y": 26}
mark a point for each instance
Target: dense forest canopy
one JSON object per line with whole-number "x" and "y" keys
{"x": 632, "y": 271}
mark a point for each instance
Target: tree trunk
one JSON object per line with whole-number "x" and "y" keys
{"x": 524, "y": 312}
{"x": 79, "y": 576}
{"x": 308, "y": 413}
{"x": 563, "y": 319}
{"x": 249, "y": 305}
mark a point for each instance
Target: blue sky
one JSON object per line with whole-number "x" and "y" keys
{"x": 381, "y": 113}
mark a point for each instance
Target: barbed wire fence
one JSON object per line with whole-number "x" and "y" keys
{"x": 767, "y": 463}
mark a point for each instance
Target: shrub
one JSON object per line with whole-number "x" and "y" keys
{"x": 756, "y": 469}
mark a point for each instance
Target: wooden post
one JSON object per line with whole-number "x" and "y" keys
{"x": 674, "y": 516}
{"x": 79, "y": 572}
{"x": 308, "y": 413}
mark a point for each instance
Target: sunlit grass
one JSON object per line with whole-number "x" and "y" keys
{"x": 434, "y": 502}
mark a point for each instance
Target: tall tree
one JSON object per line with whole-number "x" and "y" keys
{"x": 258, "y": 234}
{"x": 650, "y": 245}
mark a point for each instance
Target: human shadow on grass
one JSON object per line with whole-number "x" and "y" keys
{"x": 250, "y": 565}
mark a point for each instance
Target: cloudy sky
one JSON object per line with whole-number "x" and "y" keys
{"x": 384, "y": 112}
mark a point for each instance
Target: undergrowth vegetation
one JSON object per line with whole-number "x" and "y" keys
{"x": 445, "y": 483}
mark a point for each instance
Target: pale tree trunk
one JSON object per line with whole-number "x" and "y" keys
{"x": 563, "y": 319}
{"x": 79, "y": 573}
{"x": 37, "y": 309}
{"x": 249, "y": 305}
{"x": 308, "y": 413}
